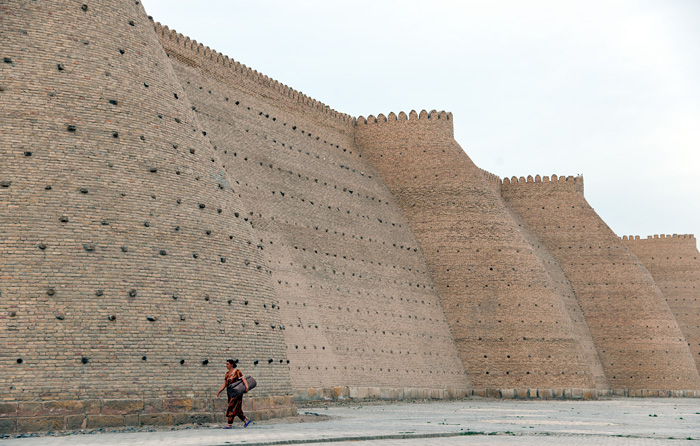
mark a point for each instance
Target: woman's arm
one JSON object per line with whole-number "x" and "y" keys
{"x": 223, "y": 386}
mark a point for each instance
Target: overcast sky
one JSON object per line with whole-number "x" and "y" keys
{"x": 608, "y": 89}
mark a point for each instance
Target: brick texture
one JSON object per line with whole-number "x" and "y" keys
{"x": 638, "y": 340}
{"x": 356, "y": 299}
{"x": 510, "y": 323}
{"x": 164, "y": 208}
{"x": 125, "y": 273}
{"x": 674, "y": 263}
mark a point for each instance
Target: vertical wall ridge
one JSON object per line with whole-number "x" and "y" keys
{"x": 673, "y": 262}
{"x": 638, "y": 338}
{"x": 509, "y": 322}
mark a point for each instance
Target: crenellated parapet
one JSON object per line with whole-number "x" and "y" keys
{"x": 659, "y": 237}
{"x": 539, "y": 184}
{"x": 402, "y": 116}
{"x": 658, "y": 243}
{"x": 493, "y": 179}
{"x": 189, "y": 50}
{"x": 435, "y": 120}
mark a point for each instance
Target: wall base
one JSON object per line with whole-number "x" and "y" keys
{"x": 542, "y": 394}
{"x": 41, "y": 416}
{"x": 651, "y": 393}
{"x": 342, "y": 393}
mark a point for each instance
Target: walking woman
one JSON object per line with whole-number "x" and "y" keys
{"x": 235, "y": 405}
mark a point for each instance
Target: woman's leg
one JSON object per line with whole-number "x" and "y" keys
{"x": 230, "y": 411}
{"x": 237, "y": 411}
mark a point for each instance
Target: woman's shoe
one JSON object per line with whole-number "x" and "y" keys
{"x": 228, "y": 426}
{"x": 248, "y": 421}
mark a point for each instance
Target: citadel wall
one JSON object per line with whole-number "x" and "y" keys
{"x": 563, "y": 286}
{"x": 164, "y": 208}
{"x": 126, "y": 280}
{"x": 637, "y": 337}
{"x": 674, "y": 263}
{"x": 356, "y": 299}
{"x": 509, "y": 321}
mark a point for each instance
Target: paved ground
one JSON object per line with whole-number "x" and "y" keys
{"x": 647, "y": 421}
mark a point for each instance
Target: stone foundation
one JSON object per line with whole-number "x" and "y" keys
{"x": 93, "y": 414}
{"x": 420, "y": 393}
{"x": 342, "y": 393}
{"x": 652, "y": 393}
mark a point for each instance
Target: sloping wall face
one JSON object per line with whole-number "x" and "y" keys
{"x": 564, "y": 288}
{"x": 355, "y": 296}
{"x": 509, "y": 322}
{"x": 638, "y": 339}
{"x": 125, "y": 274}
{"x": 674, "y": 263}
{"x": 164, "y": 208}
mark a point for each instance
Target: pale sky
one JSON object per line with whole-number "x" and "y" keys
{"x": 605, "y": 88}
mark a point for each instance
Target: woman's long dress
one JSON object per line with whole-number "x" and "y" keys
{"x": 235, "y": 405}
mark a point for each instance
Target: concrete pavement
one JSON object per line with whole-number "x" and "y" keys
{"x": 476, "y": 421}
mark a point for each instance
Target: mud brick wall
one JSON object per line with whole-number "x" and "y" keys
{"x": 563, "y": 286}
{"x": 637, "y": 337}
{"x": 356, "y": 299}
{"x": 674, "y": 263}
{"x": 164, "y": 208}
{"x": 125, "y": 272}
{"x": 510, "y": 323}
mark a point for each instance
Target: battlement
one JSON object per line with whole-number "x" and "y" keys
{"x": 413, "y": 126}
{"x": 658, "y": 237}
{"x": 402, "y": 116}
{"x": 545, "y": 179}
{"x": 492, "y": 177}
{"x": 493, "y": 180}
{"x": 241, "y": 70}
{"x": 568, "y": 183}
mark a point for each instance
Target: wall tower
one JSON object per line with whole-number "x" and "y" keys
{"x": 674, "y": 263}
{"x": 510, "y": 324}
{"x": 126, "y": 279}
{"x": 638, "y": 339}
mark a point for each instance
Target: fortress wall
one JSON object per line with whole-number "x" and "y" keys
{"x": 564, "y": 288}
{"x": 356, "y": 299}
{"x": 509, "y": 321}
{"x": 164, "y": 208}
{"x": 562, "y": 285}
{"x": 228, "y": 71}
{"x": 638, "y": 339}
{"x": 493, "y": 180}
{"x": 126, "y": 281}
{"x": 673, "y": 262}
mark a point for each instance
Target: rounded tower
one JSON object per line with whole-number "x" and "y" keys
{"x": 509, "y": 321}
{"x": 639, "y": 341}
{"x": 674, "y": 263}
{"x": 128, "y": 276}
